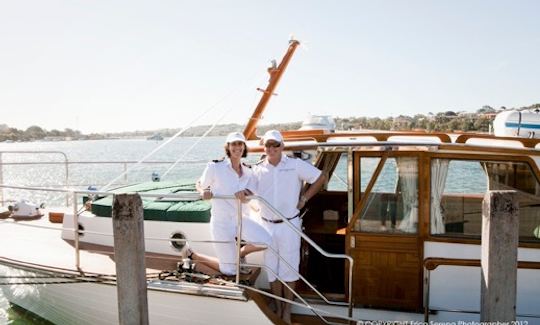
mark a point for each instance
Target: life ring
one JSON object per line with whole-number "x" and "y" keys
{"x": 56, "y": 217}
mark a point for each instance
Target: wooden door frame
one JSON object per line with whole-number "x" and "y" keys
{"x": 423, "y": 161}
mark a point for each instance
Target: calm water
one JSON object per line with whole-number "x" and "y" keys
{"x": 188, "y": 170}
{"x": 86, "y": 174}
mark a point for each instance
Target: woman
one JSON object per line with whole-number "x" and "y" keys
{"x": 228, "y": 176}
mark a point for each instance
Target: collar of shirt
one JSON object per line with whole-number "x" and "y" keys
{"x": 283, "y": 160}
{"x": 229, "y": 165}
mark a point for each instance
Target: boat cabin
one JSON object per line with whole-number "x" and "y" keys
{"x": 393, "y": 200}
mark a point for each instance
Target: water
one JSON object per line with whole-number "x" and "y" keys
{"x": 86, "y": 174}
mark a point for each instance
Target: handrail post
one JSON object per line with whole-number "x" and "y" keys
{"x": 426, "y": 295}
{"x": 351, "y": 264}
{"x": 238, "y": 239}
{"x": 76, "y": 234}
{"x": 66, "y": 164}
{"x": 1, "y": 179}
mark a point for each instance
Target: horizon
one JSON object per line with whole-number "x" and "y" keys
{"x": 104, "y": 67}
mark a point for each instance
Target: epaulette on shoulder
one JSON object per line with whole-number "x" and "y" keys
{"x": 246, "y": 165}
{"x": 259, "y": 162}
{"x": 218, "y": 160}
{"x": 292, "y": 156}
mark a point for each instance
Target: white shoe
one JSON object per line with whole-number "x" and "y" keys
{"x": 186, "y": 252}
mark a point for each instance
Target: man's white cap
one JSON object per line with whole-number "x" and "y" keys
{"x": 272, "y": 135}
{"x": 235, "y": 136}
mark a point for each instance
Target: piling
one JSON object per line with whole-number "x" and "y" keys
{"x": 127, "y": 217}
{"x": 500, "y": 238}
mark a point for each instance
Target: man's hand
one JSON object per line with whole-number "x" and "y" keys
{"x": 241, "y": 195}
{"x": 301, "y": 202}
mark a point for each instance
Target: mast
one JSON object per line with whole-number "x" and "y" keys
{"x": 275, "y": 76}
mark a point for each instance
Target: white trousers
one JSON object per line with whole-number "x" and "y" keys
{"x": 224, "y": 231}
{"x": 287, "y": 244}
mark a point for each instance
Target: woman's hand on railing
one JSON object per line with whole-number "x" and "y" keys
{"x": 206, "y": 194}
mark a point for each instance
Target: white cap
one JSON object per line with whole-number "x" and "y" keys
{"x": 272, "y": 135}
{"x": 235, "y": 136}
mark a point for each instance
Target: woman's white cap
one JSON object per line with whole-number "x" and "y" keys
{"x": 235, "y": 136}
{"x": 272, "y": 135}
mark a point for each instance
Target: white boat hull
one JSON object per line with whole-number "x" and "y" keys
{"x": 96, "y": 303}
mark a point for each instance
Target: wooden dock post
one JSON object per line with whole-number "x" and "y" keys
{"x": 500, "y": 238}
{"x": 127, "y": 217}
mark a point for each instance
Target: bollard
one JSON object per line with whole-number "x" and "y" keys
{"x": 127, "y": 217}
{"x": 500, "y": 238}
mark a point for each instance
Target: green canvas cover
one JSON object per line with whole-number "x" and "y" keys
{"x": 160, "y": 210}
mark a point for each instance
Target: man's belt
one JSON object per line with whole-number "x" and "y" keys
{"x": 281, "y": 220}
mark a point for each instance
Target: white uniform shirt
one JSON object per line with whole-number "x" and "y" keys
{"x": 280, "y": 185}
{"x": 222, "y": 179}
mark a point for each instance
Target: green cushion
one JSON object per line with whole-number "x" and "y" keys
{"x": 164, "y": 210}
{"x": 190, "y": 211}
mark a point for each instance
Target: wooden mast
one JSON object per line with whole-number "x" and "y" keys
{"x": 275, "y": 76}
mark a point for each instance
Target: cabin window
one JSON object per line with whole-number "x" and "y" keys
{"x": 458, "y": 188}
{"x": 338, "y": 179}
{"x": 392, "y": 204}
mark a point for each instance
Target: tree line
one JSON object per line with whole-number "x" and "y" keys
{"x": 448, "y": 121}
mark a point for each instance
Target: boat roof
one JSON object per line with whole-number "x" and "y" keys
{"x": 319, "y": 139}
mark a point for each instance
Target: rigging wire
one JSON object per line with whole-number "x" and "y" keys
{"x": 206, "y": 132}
{"x": 187, "y": 126}
{"x": 197, "y": 142}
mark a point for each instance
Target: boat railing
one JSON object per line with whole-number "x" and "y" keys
{"x": 74, "y": 193}
{"x": 432, "y": 263}
{"x": 64, "y": 162}
{"x": 316, "y": 247}
{"x": 68, "y": 167}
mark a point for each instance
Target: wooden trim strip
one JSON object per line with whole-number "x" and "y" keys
{"x": 527, "y": 142}
{"x": 363, "y": 199}
{"x": 431, "y": 263}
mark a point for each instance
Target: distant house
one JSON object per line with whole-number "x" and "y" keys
{"x": 402, "y": 122}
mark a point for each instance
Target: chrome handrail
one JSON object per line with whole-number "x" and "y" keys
{"x": 318, "y": 248}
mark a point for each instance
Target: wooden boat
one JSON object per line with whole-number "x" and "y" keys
{"x": 394, "y": 236}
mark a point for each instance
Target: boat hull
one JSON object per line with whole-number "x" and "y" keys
{"x": 96, "y": 303}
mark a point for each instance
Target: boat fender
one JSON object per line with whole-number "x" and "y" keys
{"x": 56, "y": 217}
{"x": 4, "y": 213}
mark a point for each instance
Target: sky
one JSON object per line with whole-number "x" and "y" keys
{"x": 113, "y": 66}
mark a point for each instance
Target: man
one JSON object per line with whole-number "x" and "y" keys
{"x": 279, "y": 180}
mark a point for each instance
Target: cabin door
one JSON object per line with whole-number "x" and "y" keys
{"x": 382, "y": 235}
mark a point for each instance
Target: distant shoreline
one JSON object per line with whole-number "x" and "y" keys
{"x": 448, "y": 121}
